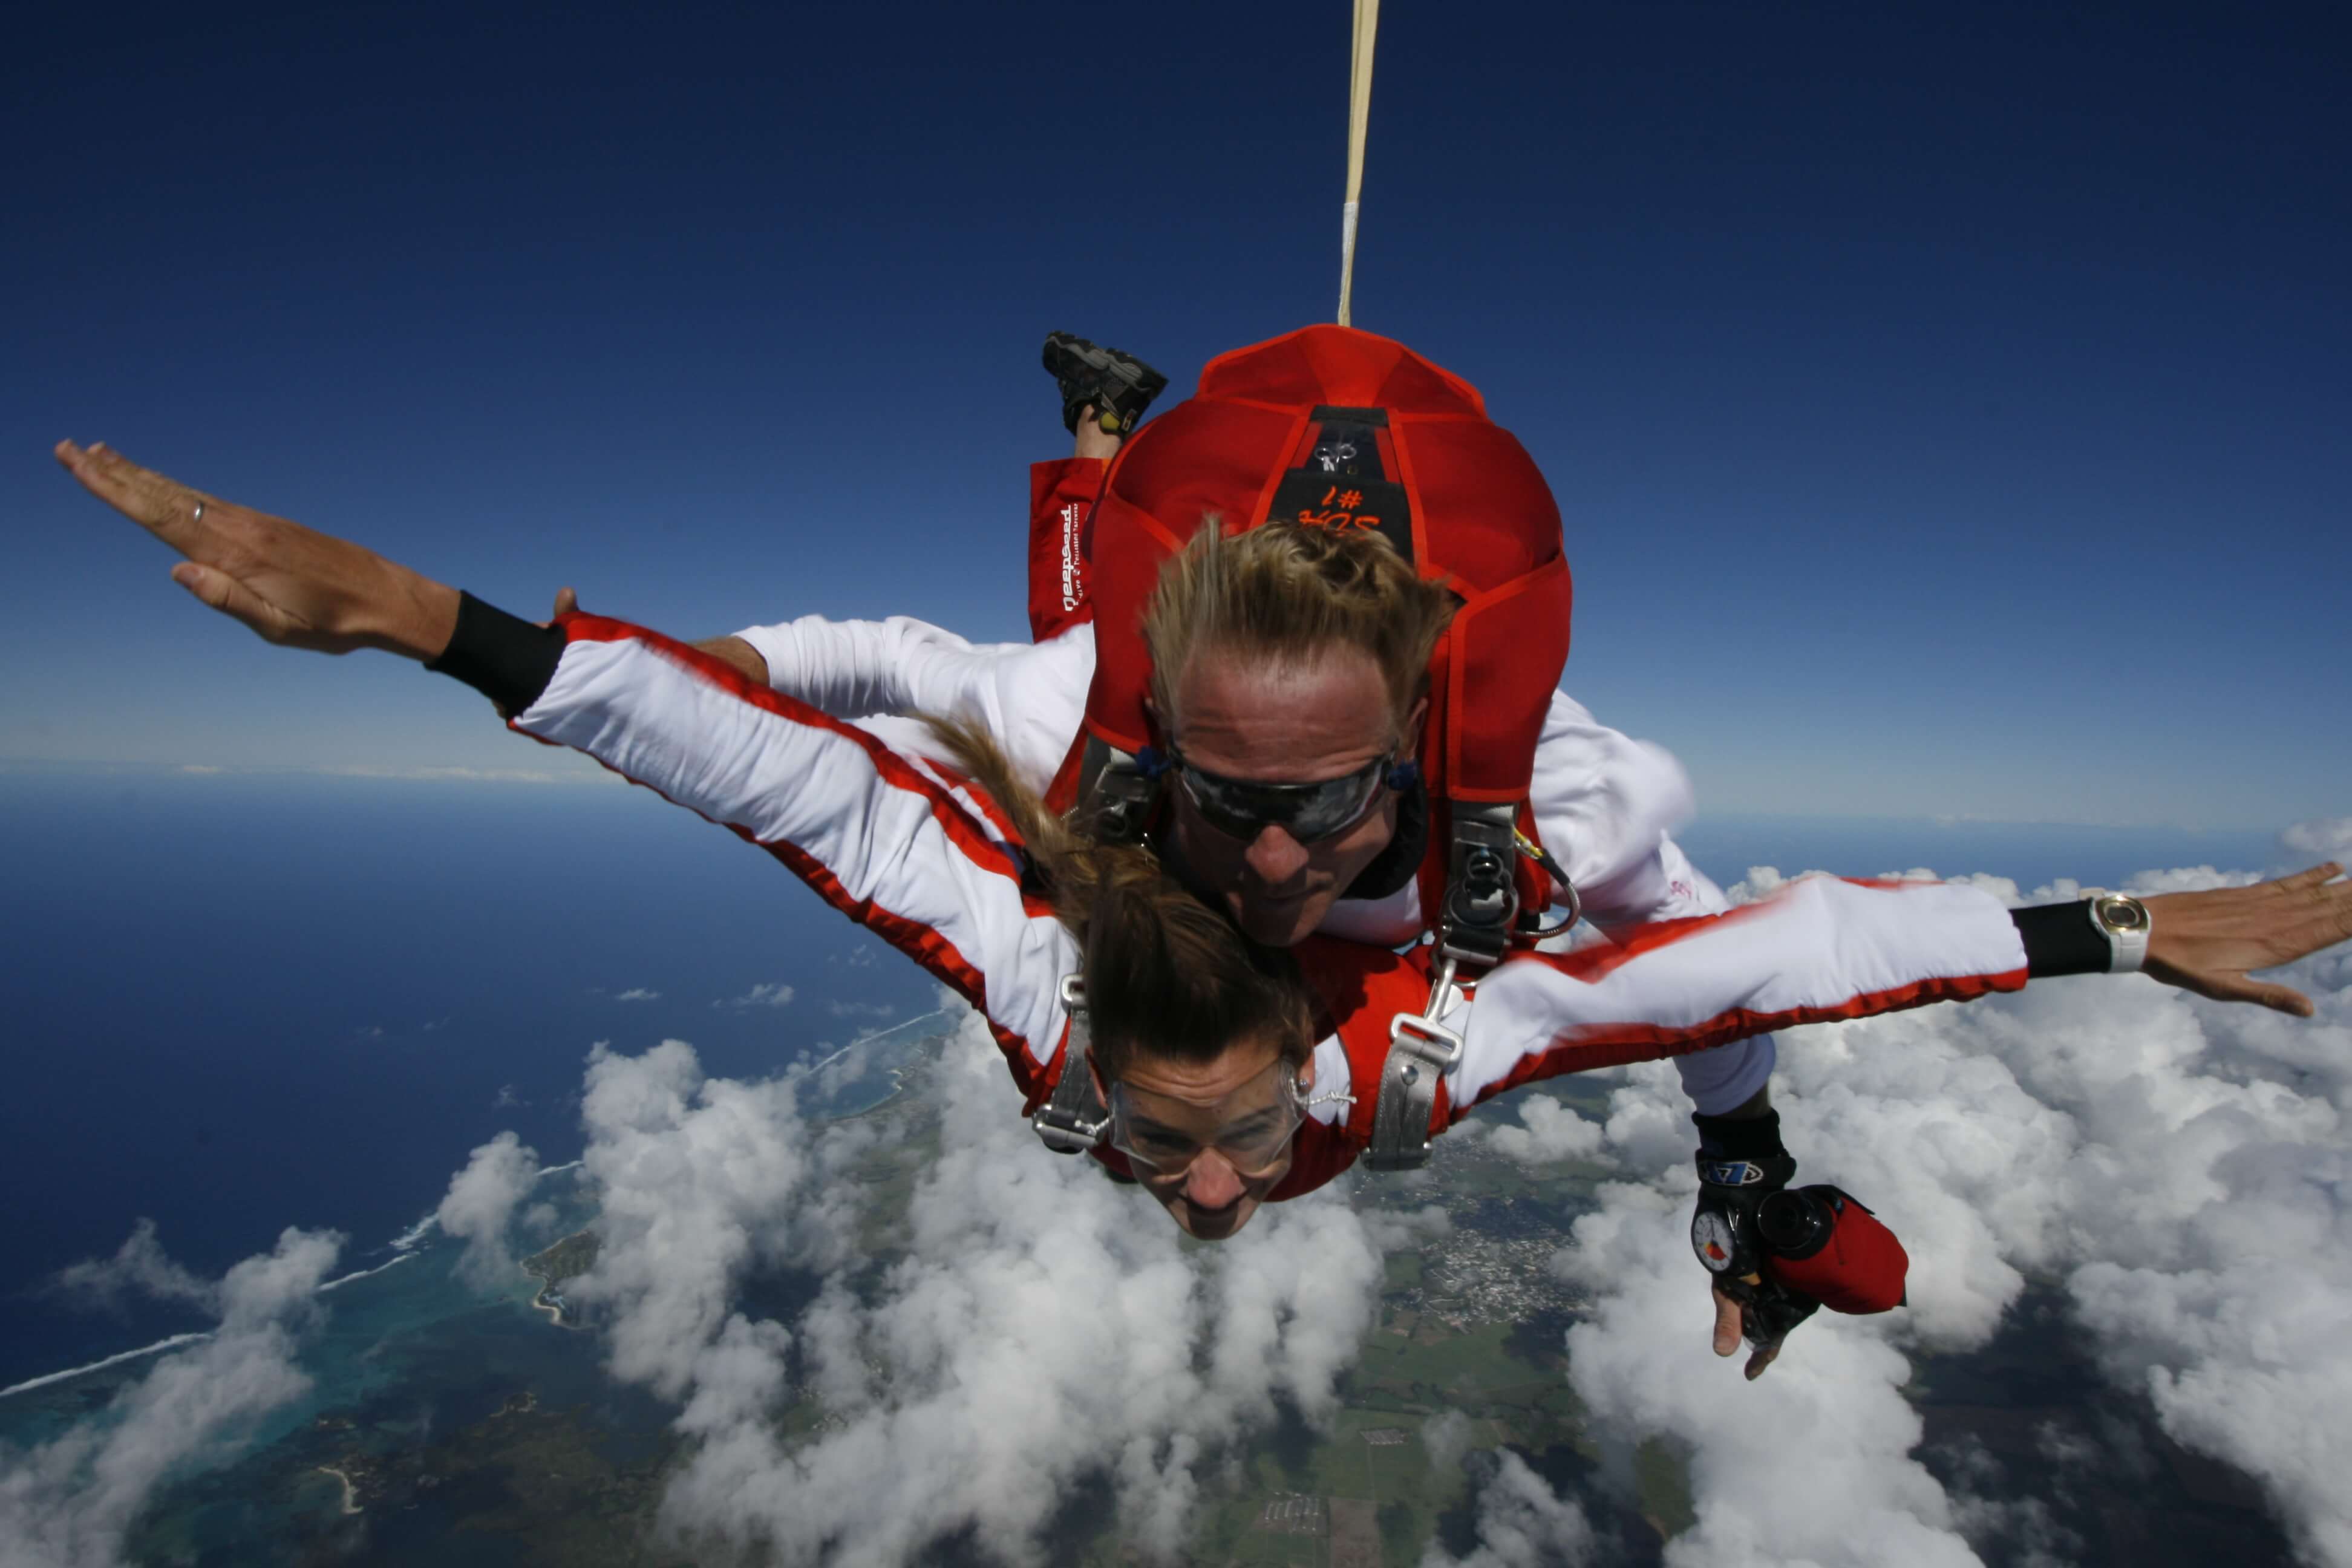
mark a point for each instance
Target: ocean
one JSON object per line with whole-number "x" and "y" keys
{"x": 234, "y": 1004}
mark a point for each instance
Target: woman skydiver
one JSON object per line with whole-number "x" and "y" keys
{"x": 1234, "y": 1074}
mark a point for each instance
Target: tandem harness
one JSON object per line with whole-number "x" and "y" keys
{"x": 1332, "y": 429}
{"x": 1479, "y": 923}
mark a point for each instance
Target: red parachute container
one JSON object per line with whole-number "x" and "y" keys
{"x": 1337, "y": 428}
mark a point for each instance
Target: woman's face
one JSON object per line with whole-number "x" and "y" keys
{"x": 1209, "y": 1140}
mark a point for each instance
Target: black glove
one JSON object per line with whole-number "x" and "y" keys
{"x": 1741, "y": 1163}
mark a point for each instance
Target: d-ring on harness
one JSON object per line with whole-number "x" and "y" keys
{"x": 1072, "y": 1122}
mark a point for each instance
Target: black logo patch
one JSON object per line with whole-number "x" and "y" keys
{"x": 1342, "y": 485}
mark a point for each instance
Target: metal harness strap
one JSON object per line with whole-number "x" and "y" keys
{"x": 1072, "y": 1122}
{"x": 1473, "y": 929}
{"x": 1421, "y": 1051}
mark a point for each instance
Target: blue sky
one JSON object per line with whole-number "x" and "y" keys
{"x": 1949, "y": 408}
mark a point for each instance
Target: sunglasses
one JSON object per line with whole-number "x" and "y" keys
{"x": 1242, "y": 808}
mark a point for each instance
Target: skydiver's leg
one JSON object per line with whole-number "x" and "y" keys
{"x": 1099, "y": 388}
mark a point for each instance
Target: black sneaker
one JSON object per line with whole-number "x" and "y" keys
{"x": 1120, "y": 386}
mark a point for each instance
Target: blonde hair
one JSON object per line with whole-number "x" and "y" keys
{"x": 1285, "y": 593}
{"x": 1166, "y": 975}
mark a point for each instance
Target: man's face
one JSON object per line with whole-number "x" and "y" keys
{"x": 1209, "y": 1113}
{"x": 1279, "y": 724}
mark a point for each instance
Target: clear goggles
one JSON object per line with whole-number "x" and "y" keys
{"x": 1249, "y": 1129}
{"x": 1242, "y": 808}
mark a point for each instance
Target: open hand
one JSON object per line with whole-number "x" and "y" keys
{"x": 2207, "y": 941}
{"x": 292, "y": 585}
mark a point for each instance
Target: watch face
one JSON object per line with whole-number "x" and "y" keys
{"x": 2123, "y": 914}
{"x": 1711, "y": 1238}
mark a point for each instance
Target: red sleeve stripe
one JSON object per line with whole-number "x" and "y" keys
{"x": 927, "y": 947}
{"x": 934, "y": 953}
{"x": 1589, "y": 1047}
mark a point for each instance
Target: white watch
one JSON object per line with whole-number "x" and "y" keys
{"x": 2124, "y": 921}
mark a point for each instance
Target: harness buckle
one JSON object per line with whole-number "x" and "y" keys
{"x": 1074, "y": 1119}
{"x": 1421, "y": 1051}
{"x": 1424, "y": 1037}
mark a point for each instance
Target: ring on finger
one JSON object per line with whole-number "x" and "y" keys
{"x": 200, "y": 513}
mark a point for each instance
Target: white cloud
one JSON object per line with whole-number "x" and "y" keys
{"x": 1042, "y": 1327}
{"x": 1548, "y": 1132}
{"x": 2176, "y": 1167}
{"x": 776, "y": 994}
{"x": 2321, "y": 838}
{"x": 1445, "y": 1437}
{"x": 699, "y": 1180}
{"x": 480, "y": 1205}
{"x": 1521, "y": 1524}
{"x": 636, "y": 993}
{"x": 1808, "y": 1464}
{"x": 1393, "y": 1230}
{"x": 138, "y": 1267}
{"x": 68, "y": 1502}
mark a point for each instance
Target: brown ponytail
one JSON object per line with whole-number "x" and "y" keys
{"x": 1166, "y": 975}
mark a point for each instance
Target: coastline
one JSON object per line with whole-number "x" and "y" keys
{"x": 158, "y": 1348}
{"x": 923, "y": 1027}
{"x": 554, "y": 1311}
{"x": 409, "y": 1244}
{"x": 351, "y": 1492}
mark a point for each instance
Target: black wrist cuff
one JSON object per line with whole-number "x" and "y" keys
{"x": 2059, "y": 938}
{"x": 510, "y": 661}
{"x": 1754, "y": 1138}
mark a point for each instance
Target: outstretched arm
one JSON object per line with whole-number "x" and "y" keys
{"x": 1823, "y": 949}
{"x": 889, "y": 843}
{"x": 1819, "y": 950}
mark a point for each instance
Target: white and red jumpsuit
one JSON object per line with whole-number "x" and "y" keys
{"x": 907, "y": 850}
